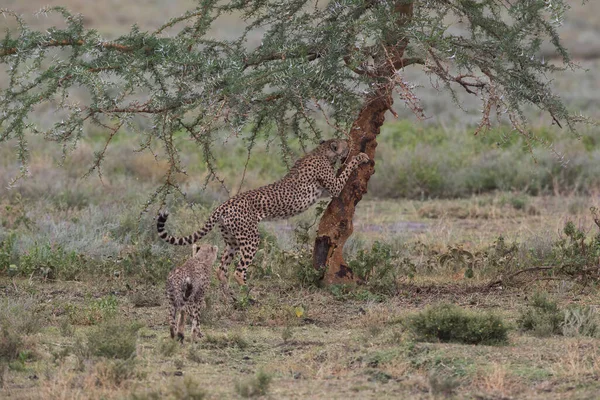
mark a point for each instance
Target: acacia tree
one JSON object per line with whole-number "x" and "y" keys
{"x": 341, "y": 61}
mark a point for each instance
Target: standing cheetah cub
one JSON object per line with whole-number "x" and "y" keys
{"x": 238, "y": 217}
{"x": 186, "y": 288}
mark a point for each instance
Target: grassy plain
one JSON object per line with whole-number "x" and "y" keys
{"x": 447, "y": 214}
{"x": 78, "y": 254}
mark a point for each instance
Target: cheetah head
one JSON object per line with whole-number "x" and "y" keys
{"x": 205, "y": 252}
{"x": 334, "y": 149}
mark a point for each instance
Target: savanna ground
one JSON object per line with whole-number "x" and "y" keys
{"x": 82, "y": 271}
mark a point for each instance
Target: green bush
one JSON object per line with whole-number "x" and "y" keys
{"x": 379, "y": 267}
{"x": 113, "y": 339}
{"x": 542, "y": 316}
{"x": 52, "y": 261}
{"x": 577, "y": 256}
{"x": 450, "y": 323}
{"x": 93, "y": 312}
{"x": 255, "y": 386}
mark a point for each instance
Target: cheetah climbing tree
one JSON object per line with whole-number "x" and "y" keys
{"x": 289, "y": 66}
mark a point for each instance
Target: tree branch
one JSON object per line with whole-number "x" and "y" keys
{"x": 532, "y": 269}
{"x": 63, "y": 43}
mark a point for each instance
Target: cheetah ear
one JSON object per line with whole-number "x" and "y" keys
{"x": 334, "y": 146}
{"x": 321, "y": 142}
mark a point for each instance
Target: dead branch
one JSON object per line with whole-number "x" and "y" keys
{"x": 511, "y": 276}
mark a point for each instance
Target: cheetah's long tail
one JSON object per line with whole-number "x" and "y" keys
{"x": 183, "y": 240}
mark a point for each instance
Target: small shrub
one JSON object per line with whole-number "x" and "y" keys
{"x": 542, "y": 316}
{"x": 255, "y": 386}
{"x": 576, "y": 256}
{"x": 187, "y": 390}
{"x": 114, "y": 339}
{"x": 11, "y": 343}
{"x": 23, "y": 316}
{"x": 194, "y": 355}
{"x": 7, "y": 255}
{"x": 52, "y": 261}
{"x": 115, "y": 372}
{"x": 441, "y": 384}
{"x": 94, "y": 312}
{"x": 379, "y": 268}
{"x": 449, "y": 323}
{"x": 168, "y": 347}
{"x": 287, "y": 334}
{"x": 224, "y": 341}
{"x": 66, "y": 328}
{"x": 581, "y": 321}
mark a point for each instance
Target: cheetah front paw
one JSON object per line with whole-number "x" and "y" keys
{"x": 362, "y": 158}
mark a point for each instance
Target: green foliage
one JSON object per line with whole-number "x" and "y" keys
{"x": 94, "y": 311}
{"x": 577, "y": 256}
{"x": 449, "y": 323}
{"x": 255, "y": 386}
{"x": 151, "y": 267}
{"x": 113, "y": 339}
{"x": 7, "y": 255}
{"x": 196, "y": 84}
{"x": 51, "y": 261}
{"x": 542, "y": 316}
{"x": 379, "y": 268}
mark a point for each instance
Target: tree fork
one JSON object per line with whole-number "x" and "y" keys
{"x": 336, "y": 225}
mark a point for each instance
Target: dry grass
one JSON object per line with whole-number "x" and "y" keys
{"x": 341, "y": 349}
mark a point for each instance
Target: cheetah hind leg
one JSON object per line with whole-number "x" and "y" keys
{"x": 247, "y": 255}
{"x": 226, "y": 259}
{"x": 173, "y": 320}
{"x": 195, "y": 314}
{"x": 181, "y": 325}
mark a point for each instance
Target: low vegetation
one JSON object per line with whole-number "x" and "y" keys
{"x": 449, "y": 323}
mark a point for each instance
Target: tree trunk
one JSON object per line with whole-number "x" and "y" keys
{"x": 336, "y": 224}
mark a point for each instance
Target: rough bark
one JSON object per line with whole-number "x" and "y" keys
{"x": 335, "y": 227}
